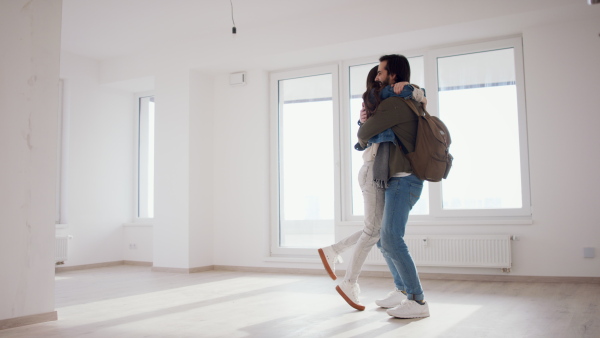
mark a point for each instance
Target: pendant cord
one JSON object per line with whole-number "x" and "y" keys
{"x": 232, "y": 20}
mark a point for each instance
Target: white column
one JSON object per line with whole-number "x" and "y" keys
{"x": 29, "y": 103}
{"x": 172, "y": 164}
{"x": 202, "y": 183}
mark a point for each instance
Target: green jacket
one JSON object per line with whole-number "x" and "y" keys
{"x": 396, "y": 114}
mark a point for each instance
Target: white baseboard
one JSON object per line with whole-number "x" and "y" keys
{"x": 183, "y": 270}
{"x": 28, "y": 320}
{"x": 137, "y": 263}
{"x": 87, "y": 266}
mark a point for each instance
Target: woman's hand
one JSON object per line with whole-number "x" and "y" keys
{"x": 399, "y": 86}
{"x": 363, "y": 114}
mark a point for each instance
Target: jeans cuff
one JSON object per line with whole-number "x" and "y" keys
{"x": 412, "y": 296}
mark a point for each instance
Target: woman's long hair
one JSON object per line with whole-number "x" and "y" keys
{"x": 371, "y": 97}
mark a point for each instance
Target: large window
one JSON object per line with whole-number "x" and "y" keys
{"x": 480, "y": 96}
{"x": 477, "y": 95}
{"x": 306, "y": 107}
{"x": 477, "y": 90}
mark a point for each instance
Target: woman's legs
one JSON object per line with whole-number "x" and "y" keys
{"x": 369, "y": 235}
{"x": 331, "y": 254}
{"x": 343, "y": 244}
{"x": 374, "y": 202}
{"x": 364, "y": 174}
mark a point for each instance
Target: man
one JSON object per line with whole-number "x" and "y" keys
{"x": 403, "y": 189}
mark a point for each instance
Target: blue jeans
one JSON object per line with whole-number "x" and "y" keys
{"x": 400, "y": 196}
{"x": 390, "y": 263}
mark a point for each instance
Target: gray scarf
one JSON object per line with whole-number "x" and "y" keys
{"x": 381, "y": 168}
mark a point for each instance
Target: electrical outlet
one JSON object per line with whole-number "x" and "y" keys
{"x": 132, "y": 246}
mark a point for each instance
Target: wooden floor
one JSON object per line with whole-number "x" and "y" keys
{"x": 132, "y": 301}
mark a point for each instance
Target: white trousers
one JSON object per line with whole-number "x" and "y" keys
{"x": 364, "y": 239}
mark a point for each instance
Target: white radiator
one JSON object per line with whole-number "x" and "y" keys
{"x": 483, "y": 251}
{"x": 61, "y": 249}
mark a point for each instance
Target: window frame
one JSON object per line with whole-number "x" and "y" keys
{"x": 274, "y": 78}
{"x": 431, "y": 77}
{"x": 62, "y": 180}
{"x": 136, "y": 157}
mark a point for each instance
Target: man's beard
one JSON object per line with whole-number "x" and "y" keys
{"x": 385, "y": 82}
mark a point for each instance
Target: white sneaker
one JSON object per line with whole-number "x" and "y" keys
{"x": 393, "y": 299}
{"x": 350, "y": 291}
{"x": 329, "y": 257}
{"x": 409, "y": 309}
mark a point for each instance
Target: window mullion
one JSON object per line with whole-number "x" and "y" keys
{"x": 435, "y": 199}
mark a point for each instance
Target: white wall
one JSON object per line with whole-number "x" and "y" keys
{"x": 137, "y": 243}
{"x": 241, "y": 166}
{"x": 100, "y": 167}
{"x": 564, "y": 147}
{"x": 29, "y": 69}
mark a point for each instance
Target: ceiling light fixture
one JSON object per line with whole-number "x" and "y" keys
{"x": 233, "y": 29}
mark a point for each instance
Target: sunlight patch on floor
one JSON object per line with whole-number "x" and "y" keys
{"x": 228, "y": 314}
{"x": 175, "y": 299}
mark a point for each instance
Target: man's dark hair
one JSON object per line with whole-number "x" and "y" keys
{"x": 398, "y": 65}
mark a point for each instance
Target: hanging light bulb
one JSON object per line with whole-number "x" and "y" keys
{"x": 233, "y": 29}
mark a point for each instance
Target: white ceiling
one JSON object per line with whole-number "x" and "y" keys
{"x": 109, "y": 29}
{"x": 104, "y": 29}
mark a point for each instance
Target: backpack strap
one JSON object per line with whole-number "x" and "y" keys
{"x": 414, "y": 108}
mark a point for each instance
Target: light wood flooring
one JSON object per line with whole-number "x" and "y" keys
{"x": 132, "y": 301}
